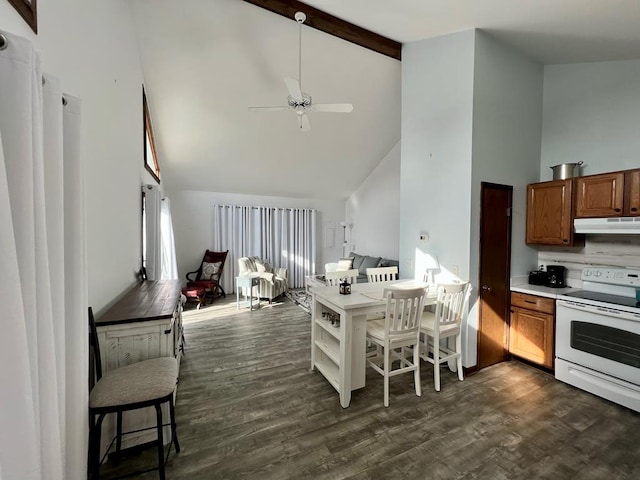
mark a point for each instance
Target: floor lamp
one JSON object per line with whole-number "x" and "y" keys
{"x": 344, "y": 238}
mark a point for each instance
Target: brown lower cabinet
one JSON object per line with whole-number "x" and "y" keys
{"x": 531, "y": 332}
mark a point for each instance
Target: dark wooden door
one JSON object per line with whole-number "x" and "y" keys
{"x": 495, "y": 268}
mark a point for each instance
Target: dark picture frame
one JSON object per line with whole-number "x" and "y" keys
{"x": 28, "y": 9}
{"x": 150, "y": 156}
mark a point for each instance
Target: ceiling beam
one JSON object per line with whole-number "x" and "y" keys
{"x": 333, "y": 26}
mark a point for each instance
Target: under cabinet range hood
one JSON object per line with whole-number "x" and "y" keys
{"x": 609, "y": 225}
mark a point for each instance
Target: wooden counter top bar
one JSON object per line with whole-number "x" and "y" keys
{"x": 149, "y": 300}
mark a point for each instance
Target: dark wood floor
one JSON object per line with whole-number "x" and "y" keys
{"x": 248, "y": 406}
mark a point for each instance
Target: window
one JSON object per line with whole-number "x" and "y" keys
{"x": 150, "y": 156}
{"x": 27, "y": 8}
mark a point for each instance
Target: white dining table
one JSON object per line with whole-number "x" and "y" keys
{"x": 339, "y": 352}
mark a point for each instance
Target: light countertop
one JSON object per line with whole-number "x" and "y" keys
{"x": 540, "y": 290}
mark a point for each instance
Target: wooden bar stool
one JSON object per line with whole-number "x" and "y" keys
{"x": 148, "y": 383}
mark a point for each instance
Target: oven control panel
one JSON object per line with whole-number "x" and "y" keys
{"x": 613, "y": 276}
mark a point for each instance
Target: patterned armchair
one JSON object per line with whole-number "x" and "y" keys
{"x": 273, "y": 281}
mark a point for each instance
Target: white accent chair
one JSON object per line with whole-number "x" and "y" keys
{"x": 334, "y": 278}
{"x": 399, "y": 329}
{"x": 382, "y": 274}
{"x": 273, "y": 280}
{"x": 444, "y": 323}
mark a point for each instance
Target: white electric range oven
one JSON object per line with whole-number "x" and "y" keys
{"x": 598, "y": 335}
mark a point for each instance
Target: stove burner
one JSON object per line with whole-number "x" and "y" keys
{"x": 605, "y": 298}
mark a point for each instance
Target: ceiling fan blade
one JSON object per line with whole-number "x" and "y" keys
{"x": 270, "y": 109}
{"x": 303, "y": 123}
{"x": 294, "y": 88}
{"x": 332, "y": 107}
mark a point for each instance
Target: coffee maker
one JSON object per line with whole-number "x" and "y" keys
{"x": 556, "y": 276}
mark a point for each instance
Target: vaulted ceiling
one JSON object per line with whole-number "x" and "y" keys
{"x": 206, "y": 61}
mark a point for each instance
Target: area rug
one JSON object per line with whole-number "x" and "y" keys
{"x": 301, "y": 298}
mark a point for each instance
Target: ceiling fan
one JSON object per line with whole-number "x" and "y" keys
{"x": 299, "y": 101}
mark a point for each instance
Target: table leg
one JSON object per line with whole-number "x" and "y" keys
{"x": 237, "y": 297}
{"x": 316, "y": 312}
{"x": 358, "y": 351}
{"x": 344, "y": 377}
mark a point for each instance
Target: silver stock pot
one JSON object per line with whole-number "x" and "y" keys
{"x": 566, "y": 170}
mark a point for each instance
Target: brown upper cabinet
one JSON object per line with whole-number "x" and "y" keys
{"x": 632, "y": 193}
{"x": 549, "y": 213}
{"x": 600, "y": 195}
{"x": 552, "y": 206}
{"x": 613, "y": 194}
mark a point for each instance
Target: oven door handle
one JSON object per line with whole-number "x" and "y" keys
{"x": 576, "y": 305}
{"x": 610, "y": 312}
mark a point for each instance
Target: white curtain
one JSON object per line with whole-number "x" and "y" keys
{"x": 286, "y": 237}
{"x": 167, "y": 243}
{"x": 43, "y": 348}
{"x": 160, "y": 249}
{"x": 152, "y": 253}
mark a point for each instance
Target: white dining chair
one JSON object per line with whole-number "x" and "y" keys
{"x": 444, "y": 323}
{"x": 382, "y": 274}
{"x": 392, "y": 335}
{"x": 334, "y": 278}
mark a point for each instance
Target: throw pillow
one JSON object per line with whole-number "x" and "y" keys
{"x": 368, "y": 262}
{"x": 345, "y": 263}
{"x": 386, "y": 262}
{"x": 263, "y": 266}
{"x": 357, "y": 260}
{"x": 211, "y": 269}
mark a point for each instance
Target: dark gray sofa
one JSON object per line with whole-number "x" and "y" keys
{"x": 362, "y": 262}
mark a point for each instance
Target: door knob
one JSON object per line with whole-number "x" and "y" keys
{"x": 486, "y": 288}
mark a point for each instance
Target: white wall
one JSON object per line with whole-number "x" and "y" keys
{"x": 374, "y": 210}
{"x": 472, "y": 111}
{"x": 507, "y": 129}
{"x": 591, "y": 114}
{"x": 192, "y": 214}
{"x": 91, "y": 47}
{"x": 435, "y": 174}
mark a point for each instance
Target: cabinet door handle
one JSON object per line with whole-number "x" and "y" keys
{"x": 634, "y": 209}
{"x": 565, "y": 240}
{"x": 617, "y": 209}
{"x": 530, "y": 301}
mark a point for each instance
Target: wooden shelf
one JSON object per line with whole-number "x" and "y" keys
{"x": 328, "y": 370}
{"x": 330, "y": 348}
{"x": 327, "y": 327}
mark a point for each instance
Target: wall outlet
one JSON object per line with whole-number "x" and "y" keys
{"x": 408, "y": 264}
{"x": 454, "y": 269}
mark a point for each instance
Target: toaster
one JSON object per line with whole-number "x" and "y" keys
{"x": 538, "y": 277}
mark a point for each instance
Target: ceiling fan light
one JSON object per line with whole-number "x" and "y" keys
{"x": 299, "y": 101}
